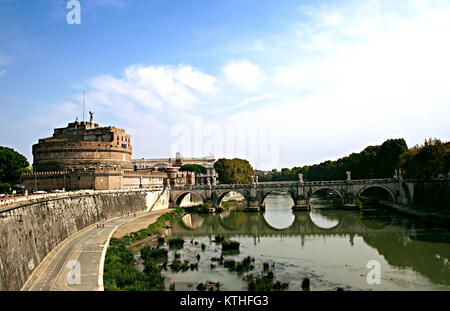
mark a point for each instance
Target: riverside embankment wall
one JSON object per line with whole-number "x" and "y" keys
{"x": 31, "y": 231}
{"x": 433, "y": 196}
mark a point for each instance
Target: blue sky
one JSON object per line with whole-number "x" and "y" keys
{"x": 282, "y": 83}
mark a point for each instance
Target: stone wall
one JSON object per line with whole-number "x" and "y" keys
{"x": 433, "y": 196}
{"x": 29, "y": 232}
{"x": 160, "y": 202}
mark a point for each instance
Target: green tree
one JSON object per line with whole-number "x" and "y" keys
{"x": 388, "y": 157}
{"x": 447, "y": 158}
{"x": 234, "y": 171}
{"x": 12, "y": 164}
{"x": 194, "y": 168}
{"x": 372, "y": 162}
{"x": 427, "y": 160}
{"x": 5, "y": 187}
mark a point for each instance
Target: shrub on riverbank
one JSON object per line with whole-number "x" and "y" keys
{"x": 120, "y": 272}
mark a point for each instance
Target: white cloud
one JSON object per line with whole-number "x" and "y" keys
{"x": 244, "y": 75}
{"x": 164, "y": 88}
{"x": 2, "y": 72}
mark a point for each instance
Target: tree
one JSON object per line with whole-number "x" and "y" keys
{"x": 234, "y": 171}
{"x": 194, "y": 168}
{"x": 373, "y": 162}
{"x": 12, "y": 164}
{"x": 427, "y": 160}
{"x": 447, "y": 159}
{"x": 5, "y": 187}
{"x": 388, "y": 157}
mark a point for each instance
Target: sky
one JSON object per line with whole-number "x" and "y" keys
{"x": 280, "y": 83}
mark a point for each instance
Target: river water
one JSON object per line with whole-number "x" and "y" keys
{"x": 331, "y": 247}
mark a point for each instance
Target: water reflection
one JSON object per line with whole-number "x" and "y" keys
{"x": 192, "y": 221}
{"x": 333, "y": 246}
{"x": 232, "y": 221}
{"x": 325, "y": 219}
{"x": 278, "y": 213}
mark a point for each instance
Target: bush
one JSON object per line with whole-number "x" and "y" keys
{"x": 157, "y": 254}
{"x": 5, "y": 188}
{"x": 264, "y": 282}
{"x": 230, "y": 245}
{"x": 176, "y": 243}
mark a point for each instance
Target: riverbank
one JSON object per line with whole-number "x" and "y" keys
{"x": 426, "y": 216}
{"x": 139, "y": 223}
{"x": 120, "y": 272}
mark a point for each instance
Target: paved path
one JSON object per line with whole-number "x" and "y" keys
{"x": 83, "y": 250}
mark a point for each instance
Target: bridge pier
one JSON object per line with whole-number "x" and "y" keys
{"x": 301, "y": 204}
{"x": 253, "y": 205}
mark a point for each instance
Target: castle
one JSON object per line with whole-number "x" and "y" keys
{"x": 84, "y": 155}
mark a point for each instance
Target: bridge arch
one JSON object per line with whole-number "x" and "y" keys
{"x": 222, "y": 194}
{"x": 178, "y": 198}
{"x": 377, "y": 186}
{"x": 271, "y": 191}
{"x": 320, "y": 188}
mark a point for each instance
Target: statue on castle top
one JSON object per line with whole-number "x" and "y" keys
{"x": 91, "y": 116}
{"x": 300, "y": 178}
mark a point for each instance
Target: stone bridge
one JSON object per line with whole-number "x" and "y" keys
{"x": 300, "y": 191}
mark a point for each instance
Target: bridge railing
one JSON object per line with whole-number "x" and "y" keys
{"x": 288, "y": 184}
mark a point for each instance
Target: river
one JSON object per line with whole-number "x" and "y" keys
{"x": 330, "y": 247}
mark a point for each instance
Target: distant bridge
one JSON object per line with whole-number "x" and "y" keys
{"x": 300, "y": 191}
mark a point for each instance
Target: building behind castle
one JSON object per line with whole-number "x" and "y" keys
{"x": 84, "y": 155}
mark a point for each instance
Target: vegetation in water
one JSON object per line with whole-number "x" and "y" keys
{"x": 157, "y": 254}
{"x": 264, "y": 282}
{"x": 176, "y": 243}
{"x": 178, "y": 266}
{"x": 218, "y": 239}
{"x": 230, "y": 245}
{"x": 306, "y": 284}
{"x": 208, "y": 286}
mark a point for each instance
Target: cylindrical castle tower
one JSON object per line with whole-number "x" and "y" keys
{"x": 83, "y": 145}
